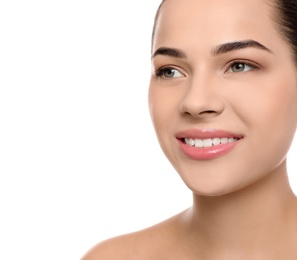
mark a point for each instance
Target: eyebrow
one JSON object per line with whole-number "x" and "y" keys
{"x": 220, "y": 49}
{"x": 233, "y": 46}
{"x": 170, "y": 52}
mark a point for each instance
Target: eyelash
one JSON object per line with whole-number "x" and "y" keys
{"x": 160, "y": 72}
{"x": 245, "y": 63}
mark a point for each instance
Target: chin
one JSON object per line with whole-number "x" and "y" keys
{"x": 211, "y": 192}
{"x": 212, "y": 188}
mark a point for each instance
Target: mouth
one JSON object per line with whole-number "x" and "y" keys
{"x": 209, "y": 142}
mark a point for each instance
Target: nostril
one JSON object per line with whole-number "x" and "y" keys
{"x": 208, "y": 112}
{"x": 202, "y": 113}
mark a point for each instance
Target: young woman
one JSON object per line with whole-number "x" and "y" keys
{"x": 223, "y": 101}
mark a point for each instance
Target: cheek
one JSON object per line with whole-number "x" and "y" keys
{"x": 159, "y": 111}
{"x": 280, "y": 111}
{"x": 278, "y": 105}
{"x": 164, "y": 111}
{"x": 163, "y": 106}
{"x": 269, "y": 100}
{"x": 269, "y": 111}
{"x": 156, "y": 108}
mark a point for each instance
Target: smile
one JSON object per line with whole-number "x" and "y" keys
{"x": 209, "y": 142}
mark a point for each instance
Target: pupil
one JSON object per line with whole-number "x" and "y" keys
{"x": 169, "y": 73}
{"x": 238, "y": 67}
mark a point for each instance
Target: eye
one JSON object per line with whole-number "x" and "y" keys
{"x": 169, "y": 73}
{"x": 241, "y": 67}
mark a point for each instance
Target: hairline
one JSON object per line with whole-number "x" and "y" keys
{"x": 276, "y": 15}
{"x": 155, "y": 22}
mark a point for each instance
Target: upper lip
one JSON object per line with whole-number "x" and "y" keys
{"x": 206, "y": 133}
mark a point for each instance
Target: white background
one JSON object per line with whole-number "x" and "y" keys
{"x": 79, "y": 160}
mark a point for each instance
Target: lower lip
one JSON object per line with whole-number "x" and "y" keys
{"x": 207, "y": 153}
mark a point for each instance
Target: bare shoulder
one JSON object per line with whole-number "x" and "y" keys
{"x": 116, "y": 248}
{"x": 145, "y": 244}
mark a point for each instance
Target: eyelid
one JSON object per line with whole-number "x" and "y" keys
{"x": 252, "y": 64}
{"x": 158, "y": 72}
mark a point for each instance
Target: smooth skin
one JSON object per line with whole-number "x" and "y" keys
{"x": 243, "y": 206}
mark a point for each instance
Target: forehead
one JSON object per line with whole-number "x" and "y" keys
{"x": 214, "y": 20}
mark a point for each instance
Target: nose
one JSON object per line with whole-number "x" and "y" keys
{"x": 202, "y": 99}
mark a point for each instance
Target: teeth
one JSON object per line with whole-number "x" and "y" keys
{"x": 192, "y": 142}
{"x": 230, "y": 140}
{"x": 216, "y": 141}
{"x": 207, "y": 143}
{"x": 203, "y": 143}
{"x": 198, "y": 143}
{"x": 224, "y": 140}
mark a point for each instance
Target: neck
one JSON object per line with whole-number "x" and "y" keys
{"x": 248, "y": 219}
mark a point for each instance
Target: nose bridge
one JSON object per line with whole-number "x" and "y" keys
{"x": 202, "y": 96}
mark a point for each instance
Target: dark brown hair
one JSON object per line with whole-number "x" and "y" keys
{"x": 285, "y": 17}
{"x": 286, "y": 21}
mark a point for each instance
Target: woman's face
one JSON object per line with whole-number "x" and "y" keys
{"x": 223, "y": 92}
